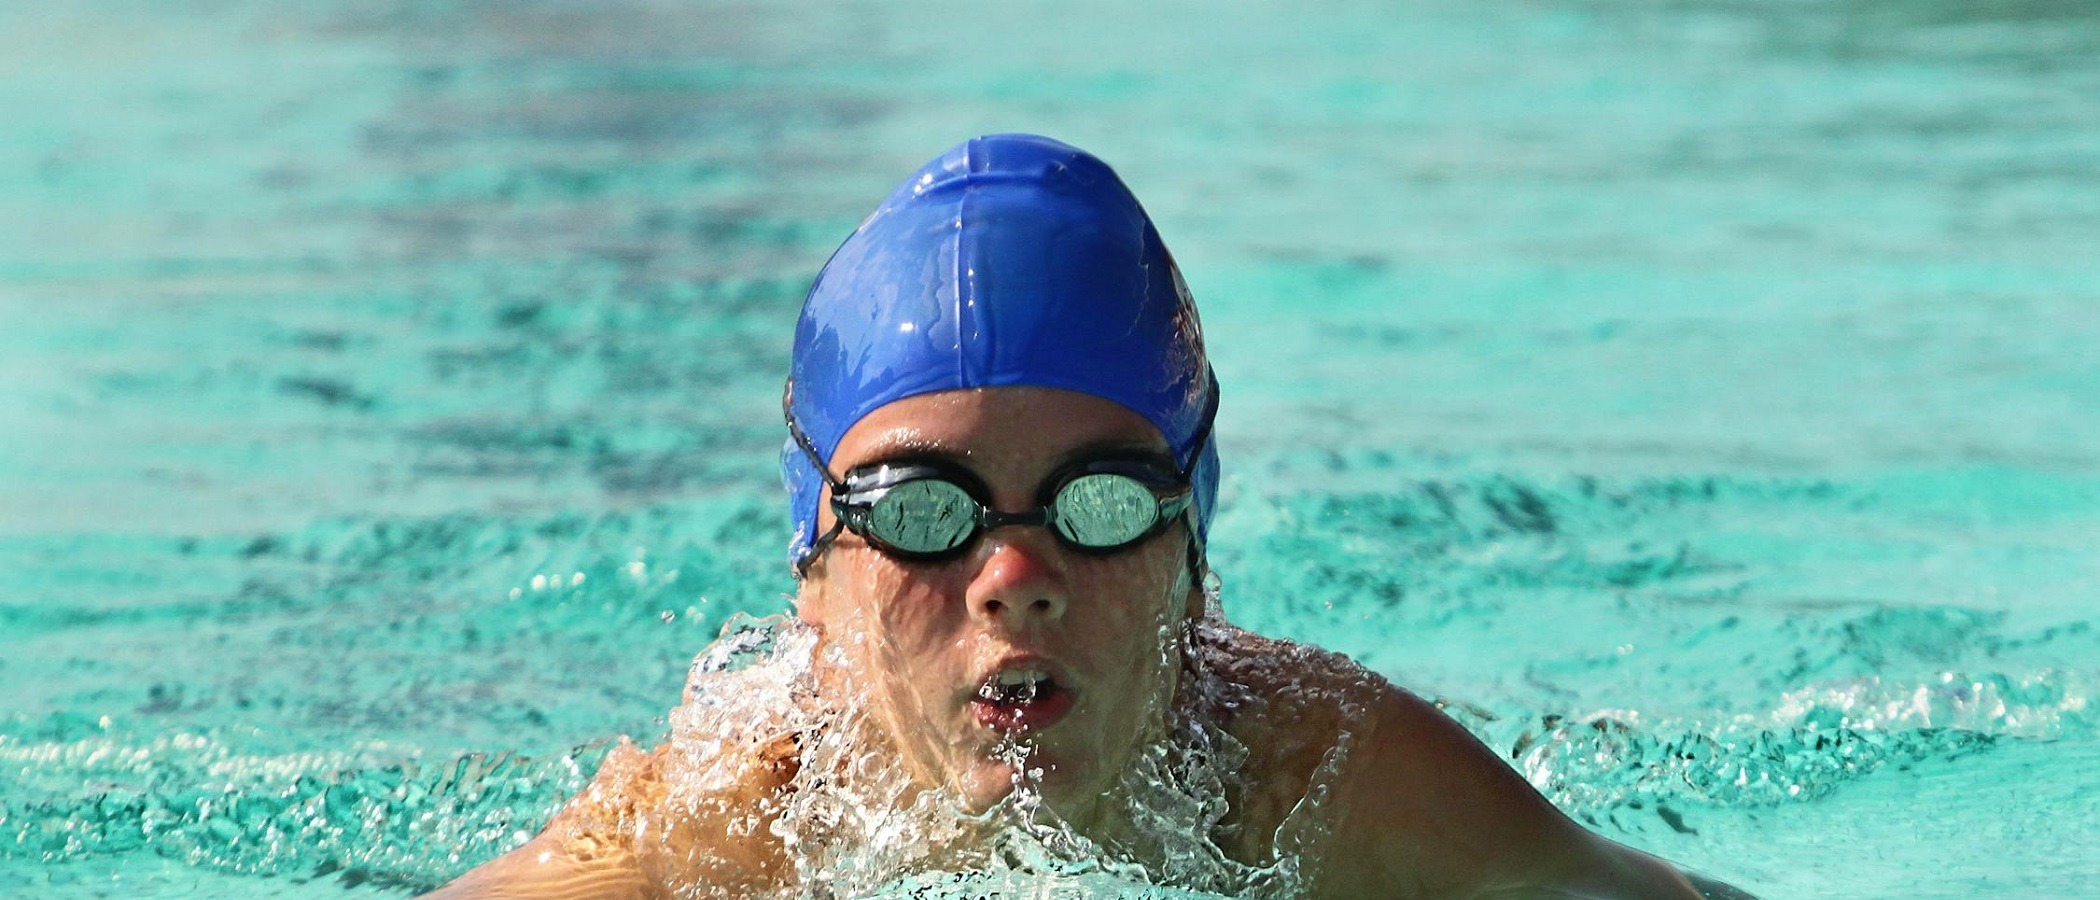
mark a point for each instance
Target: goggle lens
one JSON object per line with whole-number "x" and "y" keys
{"x": 924, "y": 515}
{"x": 1104, "y": 510}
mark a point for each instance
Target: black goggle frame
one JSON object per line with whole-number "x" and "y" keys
{"x": 853, "y": 502}
{"x": 853, "y": 498}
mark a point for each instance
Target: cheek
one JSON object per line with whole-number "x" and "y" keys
{"x": 886, "y": 612}
{"x": 1162, "y": 571}
{"x": 914, "y": 626}
{"x": 1141, "y": 605}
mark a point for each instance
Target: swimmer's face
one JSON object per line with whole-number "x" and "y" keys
{"x": 922, "y": 639}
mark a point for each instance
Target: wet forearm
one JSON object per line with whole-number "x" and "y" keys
{"x": 543, "y": 870}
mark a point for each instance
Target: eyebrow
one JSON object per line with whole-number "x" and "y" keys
{"x": 1124, "y": 448}
{"x": 907, "y": 448}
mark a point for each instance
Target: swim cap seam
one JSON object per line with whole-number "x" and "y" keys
{"x": 965, "y": 286}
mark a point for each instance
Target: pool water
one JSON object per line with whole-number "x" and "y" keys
{"x": 1699, "y": 398}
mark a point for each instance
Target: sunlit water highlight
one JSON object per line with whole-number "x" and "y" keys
{"x": 1698, "y": 399}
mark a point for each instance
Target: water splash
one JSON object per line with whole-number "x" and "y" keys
{"x": 1817, "y": 741}
{"x": 850, "y": 819}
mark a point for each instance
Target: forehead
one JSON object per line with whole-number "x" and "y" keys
{"x": 996, "y": 422}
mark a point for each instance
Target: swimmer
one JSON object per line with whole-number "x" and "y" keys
{"x": 1003, "y": 656}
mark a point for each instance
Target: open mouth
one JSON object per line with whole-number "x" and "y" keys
{"x": 1020, "y": 700}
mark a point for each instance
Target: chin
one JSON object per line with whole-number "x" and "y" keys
{"x": 985, "y": 785}
{"x": 1063, "y": 788}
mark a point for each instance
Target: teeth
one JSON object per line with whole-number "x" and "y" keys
{"x": 1012, "y": 677}
{"x": 1014, "y": 686}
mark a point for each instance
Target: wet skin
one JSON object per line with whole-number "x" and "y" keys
{"x": 1415, "y": 806}
{"x": 922, "y": 637}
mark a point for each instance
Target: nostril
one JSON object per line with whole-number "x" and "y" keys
{"x": 1042, "y": 605}
{"x": 994, "y": 606}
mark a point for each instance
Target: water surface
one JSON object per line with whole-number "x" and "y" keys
{"x": 1698, "y": 396}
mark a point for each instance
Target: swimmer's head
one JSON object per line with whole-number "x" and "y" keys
{"x": 1009, "y": 260}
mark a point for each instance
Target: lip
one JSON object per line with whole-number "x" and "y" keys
{"x": 1044, "y": 712}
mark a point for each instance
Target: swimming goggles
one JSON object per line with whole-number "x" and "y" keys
{"x": 930, "y": 510}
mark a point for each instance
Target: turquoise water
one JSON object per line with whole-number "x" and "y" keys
{"x": 1699, "y": 397}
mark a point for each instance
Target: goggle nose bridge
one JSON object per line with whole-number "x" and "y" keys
{"x": 992, "y": 518}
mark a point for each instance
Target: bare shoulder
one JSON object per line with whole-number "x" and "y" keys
{"x": 582, "y": 852}
{"x": 687, "y": 819}
{"x": 1399, "y": 799}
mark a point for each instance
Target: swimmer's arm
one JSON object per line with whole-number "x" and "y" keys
{"x": 572, "y": 858}
{"x": 703, "y": 849}
{"x": 543, "y": 869}
{"x": 1426, "y": 810}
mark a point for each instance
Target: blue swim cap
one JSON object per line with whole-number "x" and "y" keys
{"x": 1011, "y": 259}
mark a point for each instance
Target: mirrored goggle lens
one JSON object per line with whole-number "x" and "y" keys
{"x": 923, "y": 516}
{"x": 1105, "y": 510}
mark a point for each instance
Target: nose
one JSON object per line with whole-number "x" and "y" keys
{"x": 1021, "y": 580}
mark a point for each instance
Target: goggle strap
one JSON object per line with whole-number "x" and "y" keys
{"x": 1210, "y": 419}
{"x": 809, "y": 447}
{"x": 809, "y": 553}
{"x": 1197, "y": 552}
